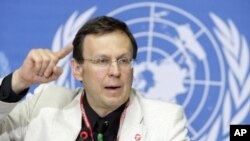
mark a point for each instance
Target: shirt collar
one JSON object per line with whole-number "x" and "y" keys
{"x": 113, "y": 118}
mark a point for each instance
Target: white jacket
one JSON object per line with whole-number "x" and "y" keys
{"x": 54, "y": 114}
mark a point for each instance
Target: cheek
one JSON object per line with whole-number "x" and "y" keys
{"x": 128, "y": 77}
{"x": 93, "y": 76}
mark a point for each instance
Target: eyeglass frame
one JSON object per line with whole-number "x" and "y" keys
{"x": 107, "y": 62}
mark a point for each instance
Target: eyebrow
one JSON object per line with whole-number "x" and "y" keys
{"x": 120, "y": 56}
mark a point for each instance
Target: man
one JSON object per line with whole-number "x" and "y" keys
{"x": 107, "y": 108}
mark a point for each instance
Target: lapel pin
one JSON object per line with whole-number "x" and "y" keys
{"x": 137, "y": 137}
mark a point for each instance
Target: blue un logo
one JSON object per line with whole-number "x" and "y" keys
{"x": 176, "y": 61}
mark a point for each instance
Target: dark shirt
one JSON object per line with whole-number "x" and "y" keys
{"x": 6, "y": 92}
{"x": 113, "y": 120}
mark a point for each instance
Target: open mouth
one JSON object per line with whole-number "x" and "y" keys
{"x": 112, "y": 87}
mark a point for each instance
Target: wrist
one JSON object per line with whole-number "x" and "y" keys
{"x": 18, "y": 84}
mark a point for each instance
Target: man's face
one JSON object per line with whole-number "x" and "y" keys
{"x": 107, "y": 87}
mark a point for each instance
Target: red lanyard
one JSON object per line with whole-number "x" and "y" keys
{"x": 87, "y": 123}
{"x": 85, "y": 119}
{"x": 121, "y": 121}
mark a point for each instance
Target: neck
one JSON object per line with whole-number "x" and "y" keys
{"x": 101, "y": 110}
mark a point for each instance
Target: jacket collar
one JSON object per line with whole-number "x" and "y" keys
{"x": 132, "y": 128}
{"x": 71, "y": 118}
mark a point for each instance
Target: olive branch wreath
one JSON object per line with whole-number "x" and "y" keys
{"x": 237, "y": 97}
{"x": 64, "y": 36}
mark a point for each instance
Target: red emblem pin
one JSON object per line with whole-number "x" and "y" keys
{"x": 137, "y": 137}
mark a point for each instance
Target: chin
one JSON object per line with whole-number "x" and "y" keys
{"x": 115, "y": 101}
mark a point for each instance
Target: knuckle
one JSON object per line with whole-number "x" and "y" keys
{"x": 39, "y": 61}
{"x": 46, "y": 60}
{"x": 55, "y": 58}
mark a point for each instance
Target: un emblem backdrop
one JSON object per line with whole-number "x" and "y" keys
{"x": 192, "y": 53}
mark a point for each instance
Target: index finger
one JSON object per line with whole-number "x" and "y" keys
{"x": 65, "y": 51}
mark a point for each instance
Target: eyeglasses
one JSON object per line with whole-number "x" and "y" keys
{"x": 124, "y": 63}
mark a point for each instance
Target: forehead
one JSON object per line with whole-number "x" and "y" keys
{"x": 110, "y": 44}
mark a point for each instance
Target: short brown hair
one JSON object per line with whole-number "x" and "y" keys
{"x": 100, "y": 25}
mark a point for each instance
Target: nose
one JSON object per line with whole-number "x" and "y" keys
{"x": 114, "y": 69}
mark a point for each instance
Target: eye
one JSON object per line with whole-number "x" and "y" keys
{"x": 124, "y": 61}
{"x": 102, "y": 61}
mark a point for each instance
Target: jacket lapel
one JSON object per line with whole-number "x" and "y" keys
{"x": 133, "y": 128}
{"x": 68, "y": 122}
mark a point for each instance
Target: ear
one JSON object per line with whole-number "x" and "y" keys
{"x": 76, "y": 69}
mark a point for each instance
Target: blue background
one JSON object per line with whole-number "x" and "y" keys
{"x": 25, "y": 25}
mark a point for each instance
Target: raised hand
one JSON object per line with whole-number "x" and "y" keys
{"x": 40, "y": 66}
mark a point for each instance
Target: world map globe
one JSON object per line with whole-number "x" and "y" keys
{"x": 177, "y": 56}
